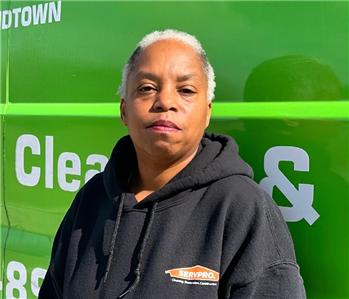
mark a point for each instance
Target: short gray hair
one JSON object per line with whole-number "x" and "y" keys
{"x": 186, "y": 38}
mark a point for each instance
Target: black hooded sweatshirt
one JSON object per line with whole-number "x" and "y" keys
{"x": 210, "y": 232}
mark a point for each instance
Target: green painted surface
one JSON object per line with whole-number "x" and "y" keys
{"x": 39, "y": 210}
{"x": 79, "y": 135}
{"x": 23, "y": 268}
{"x": 321, "y": 248}
{"x": 282, "y": 86}
{"x": 219, "y": 110}
{"x": 4, "y": 40}
{"x": 2, "y": 110}
{"x": 79, "y": 58}
{"x": 3, "y": 215}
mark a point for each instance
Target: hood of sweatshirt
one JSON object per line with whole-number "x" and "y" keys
{"x": 217, "y": 158}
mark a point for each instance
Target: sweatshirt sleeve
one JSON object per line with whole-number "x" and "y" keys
{"x": 52, "y": 286}
{"x": 260, "y": 259}
{"x": 281, "y": 281}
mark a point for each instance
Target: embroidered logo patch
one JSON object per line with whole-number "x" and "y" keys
{"x": 194, "y": 273}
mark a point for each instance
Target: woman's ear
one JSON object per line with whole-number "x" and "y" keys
{"x": 123, "y": 112}
{"x": 208, "y": 114}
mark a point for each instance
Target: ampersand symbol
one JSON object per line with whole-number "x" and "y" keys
{"x": 301, "y": 199}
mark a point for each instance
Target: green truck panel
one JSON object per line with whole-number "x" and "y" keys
{"x": 282, "y": 92}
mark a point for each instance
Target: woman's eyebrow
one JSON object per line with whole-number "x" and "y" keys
{"x": 185, "y": 77}
{"x": 146, "y": 75}
{"x": 152, "y": 76}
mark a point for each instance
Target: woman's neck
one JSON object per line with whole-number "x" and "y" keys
{"x": 153, "y": 176}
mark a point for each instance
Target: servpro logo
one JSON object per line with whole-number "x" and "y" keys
{"x": 194, "y": 273}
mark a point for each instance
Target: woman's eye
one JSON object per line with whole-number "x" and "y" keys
{"x": 187, "y": 91}
{"x": 145, "y": 89}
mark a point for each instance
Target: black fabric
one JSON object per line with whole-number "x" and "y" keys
{"x": 211, "y": 215}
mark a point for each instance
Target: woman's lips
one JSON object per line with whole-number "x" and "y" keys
{"x": 163, "y": 126}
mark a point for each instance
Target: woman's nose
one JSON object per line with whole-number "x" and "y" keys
{"x": 166, "y": 100}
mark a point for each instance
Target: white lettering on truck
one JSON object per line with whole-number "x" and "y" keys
{"x": 301, "y": 198}
{"x": 35, "y": 14}
{"x": 68, "y": 164}
{"x": 31, "y": 178}
{"x": 17, "y": 277}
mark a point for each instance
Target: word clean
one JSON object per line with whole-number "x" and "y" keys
{"x": 68, "y": 164}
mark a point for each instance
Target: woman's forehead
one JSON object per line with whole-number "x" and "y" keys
{"x": 168, "y": 57}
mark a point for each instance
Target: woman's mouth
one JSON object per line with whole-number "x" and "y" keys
{"x": 164, "y": 126}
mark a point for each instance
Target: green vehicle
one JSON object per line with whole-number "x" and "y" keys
{"x": 282, "y": 92}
